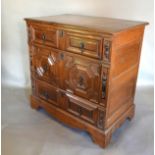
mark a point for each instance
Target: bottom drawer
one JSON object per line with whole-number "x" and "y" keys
{"x": 79, "y": 107}
{"x": 46, "y": 92}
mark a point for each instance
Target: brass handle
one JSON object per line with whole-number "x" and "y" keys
{"x": 43, "y": 37}
{"x": 61, "y": 33}
{"x": 82, "y": 45}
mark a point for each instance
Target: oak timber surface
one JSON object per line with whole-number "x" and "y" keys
{"x": 108, "y": 25}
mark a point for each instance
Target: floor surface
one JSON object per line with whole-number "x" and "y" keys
{"x": 29, "y": 132}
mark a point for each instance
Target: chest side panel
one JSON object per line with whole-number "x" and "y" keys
{"x": 125, "y": 57}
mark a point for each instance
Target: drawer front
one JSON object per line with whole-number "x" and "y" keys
{"x": 75, "y": 74}
{"x": 81, "y": 76}
{"x": 44, "y": 64}
{"x": 79, "y": 107}
{"x": 87, "y": 44}
{"x": 44, "y": 35}
{"x": 46, "y": 92}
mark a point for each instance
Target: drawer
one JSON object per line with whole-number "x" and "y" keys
{"x": 44, "y": 35}
{"x": 46, "y": 92}
{"x": 84, "y": 44}
{"x": 81, "y": 108}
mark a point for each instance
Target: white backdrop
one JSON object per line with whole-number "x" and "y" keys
{"x": 15, "y": 62}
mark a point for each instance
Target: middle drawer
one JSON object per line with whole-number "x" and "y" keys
{"x": 73, "y": 73}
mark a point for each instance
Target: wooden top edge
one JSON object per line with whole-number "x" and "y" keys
{"x": 100, "y": 24}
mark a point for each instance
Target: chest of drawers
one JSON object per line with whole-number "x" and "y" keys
{"x": 84, "y": 70}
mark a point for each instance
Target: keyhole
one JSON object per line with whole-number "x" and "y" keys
{"x": 81, "y": 80}
{"x": 61, "y": 56}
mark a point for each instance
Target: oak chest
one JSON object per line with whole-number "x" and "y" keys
{"x": 84, "y": 70}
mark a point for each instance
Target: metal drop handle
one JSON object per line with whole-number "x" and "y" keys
{"x": 82, "y": 45}
{"x": 43, "y": 37}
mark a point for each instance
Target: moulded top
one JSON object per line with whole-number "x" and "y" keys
{"x": 103, "y": 24}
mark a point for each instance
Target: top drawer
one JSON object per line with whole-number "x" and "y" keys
{"x": 84, "y": 44}
{"x": 44, "y": 35}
